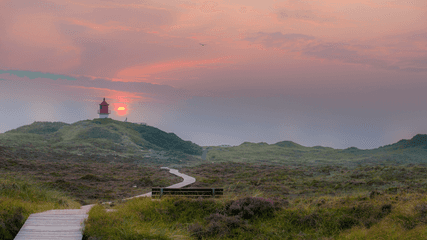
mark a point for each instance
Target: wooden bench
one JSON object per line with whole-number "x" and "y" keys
{"x": 187, "y": 192}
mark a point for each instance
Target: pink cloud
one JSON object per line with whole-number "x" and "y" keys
{"x": 159, "y": 43}
{"x": 144, "y": 72}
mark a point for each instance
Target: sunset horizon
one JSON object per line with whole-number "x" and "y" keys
{"x": 327, "y": 73}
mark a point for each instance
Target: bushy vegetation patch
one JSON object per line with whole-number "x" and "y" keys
{"x": 193, "y": 218}
{"x": 145, "y": 182}
{"x": 249, "y": 208}
{"x": 98, "y": 132}
{"x": 91, "y": 177}
{"x": 234, "y": 217}
{"x": 20, "y": 197}
{"x": 167, "y": 141}
{"x": 419, "y": 217}
{"x": 260, "y": 218}
{"x": 219, "y": 225}
{"x": 22, "y": 139}
{"x": 293, "y": 181}
{"x": 39, "y": 128}
{"x": 140, "y": 219}
{"x": 186, "y": 210}
{"x": 11, "y": 221}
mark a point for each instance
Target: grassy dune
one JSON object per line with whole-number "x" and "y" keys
{"x": 271, "y": 191}
{"x": 100, "y": 138}
{"x": 289, "y": 153}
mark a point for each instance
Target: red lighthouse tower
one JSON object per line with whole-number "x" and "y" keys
{"x": 103, "y": 109}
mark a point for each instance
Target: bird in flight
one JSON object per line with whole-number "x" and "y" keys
{"x": 202, "y": 44}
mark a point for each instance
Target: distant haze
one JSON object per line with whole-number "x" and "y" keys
{"x": 329, "y": 73}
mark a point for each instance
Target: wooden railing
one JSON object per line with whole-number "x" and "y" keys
{"x": 158, "y": 192}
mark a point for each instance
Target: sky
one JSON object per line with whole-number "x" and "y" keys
{"x": 332, "y": 73}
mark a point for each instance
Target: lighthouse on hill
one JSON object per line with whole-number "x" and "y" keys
{"x": 103, "y": 109}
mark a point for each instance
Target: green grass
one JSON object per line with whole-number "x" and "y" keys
{"x": 99, "y": 136}
{"x": 22, "y": 196}
{"x": 276, "y": 191}
{"x": 356, "y": 217}
{"x": 324, "y": 202}
{"x": 313, "y": 156}
{"x": 328, "y": 203}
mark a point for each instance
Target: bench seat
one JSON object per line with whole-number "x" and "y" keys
{"x": 158, "y": 192}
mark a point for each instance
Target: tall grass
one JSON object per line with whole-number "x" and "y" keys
{"x": 21, "y": 196}
{"x": 358, "y": 216}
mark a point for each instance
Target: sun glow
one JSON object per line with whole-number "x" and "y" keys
{"x": 121, "y": 109}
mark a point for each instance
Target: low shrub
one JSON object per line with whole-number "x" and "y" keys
{"x": 219, "y": 225}
{"x": 249, "y": 207}
{"x": 91, "y": 177}
{"x": 235, "y": 216}
{"x": 347, "y": 221}
{"x": 196, "y": 230}
{"x": 311, "y": 220}
{"x": 145, "y": 182}
{"x": 186, "y": 209}
{"x": 10, "y": 224}
{"x": 421, "y": 209}
{"x": 407, "y": 223}
{"x": 375, "y": 193}
{"x": 385, "y": 210}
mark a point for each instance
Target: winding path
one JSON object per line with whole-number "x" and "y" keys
{"x": 67, "y": 224}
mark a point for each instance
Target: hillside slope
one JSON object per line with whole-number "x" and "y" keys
{"x": 404, "y": 152}
{"x": 110, "y": 139}
{"x": 100, "y": 137}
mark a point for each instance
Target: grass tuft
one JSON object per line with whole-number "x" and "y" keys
{"x": 21, "y": 197}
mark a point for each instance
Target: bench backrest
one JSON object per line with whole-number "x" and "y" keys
{"x": 189, "y": 192}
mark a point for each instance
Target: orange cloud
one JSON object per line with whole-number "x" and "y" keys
{"x": 139, "y": 72}
{"x": 108, "y": 27}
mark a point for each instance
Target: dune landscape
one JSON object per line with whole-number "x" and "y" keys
{"x": 274, "y": 191}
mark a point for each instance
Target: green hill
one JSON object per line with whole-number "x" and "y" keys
{"x": 289, "y": 153}
{"x": 100, "y": 136}
{"x": 143, "y": 143}
{"x": 288, "y": 144}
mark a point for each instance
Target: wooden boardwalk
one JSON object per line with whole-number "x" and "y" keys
{"x": 67, "y": 224}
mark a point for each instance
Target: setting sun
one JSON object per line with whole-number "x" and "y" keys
{"x": 121, "y": 109}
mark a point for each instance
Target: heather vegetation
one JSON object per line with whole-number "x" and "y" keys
{"x": 271, "y": 191}
{"x": 281, "y": 202}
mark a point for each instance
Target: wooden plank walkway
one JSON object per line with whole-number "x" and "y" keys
{"x": 67, "y": 224}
